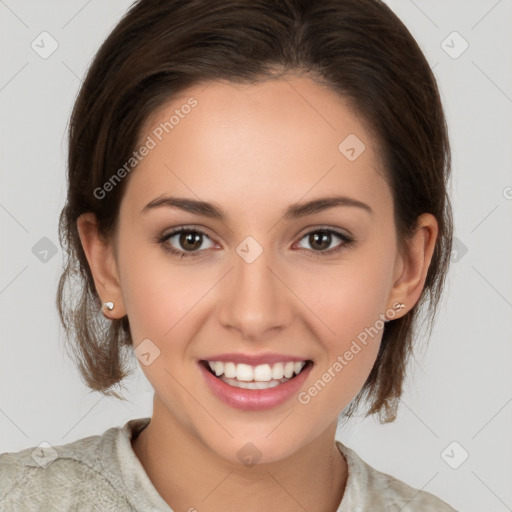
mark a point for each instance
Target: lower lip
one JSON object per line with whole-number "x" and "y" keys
{"x": 255, "y": 399}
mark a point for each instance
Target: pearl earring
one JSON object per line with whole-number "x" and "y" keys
{"x": 108, "y": 305}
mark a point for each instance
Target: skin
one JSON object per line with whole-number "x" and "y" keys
{"x": 254, "y": 150}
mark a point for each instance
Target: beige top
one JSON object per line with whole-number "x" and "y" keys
{"x": 103, "y": 473}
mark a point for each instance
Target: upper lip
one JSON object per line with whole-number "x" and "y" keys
{"x": 255, "y": 359}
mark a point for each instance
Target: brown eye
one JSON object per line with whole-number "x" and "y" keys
{"x": 321, "y": 241}
{"x": 188, "y": 242}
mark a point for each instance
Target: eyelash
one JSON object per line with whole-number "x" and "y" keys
{"x": 197, "y": 254}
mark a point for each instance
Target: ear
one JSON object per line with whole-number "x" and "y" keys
{"x": 412, "y": 266}
{"x": 101, "y": 258}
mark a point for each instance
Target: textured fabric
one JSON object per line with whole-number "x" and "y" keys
{"x": 103, "y": 474}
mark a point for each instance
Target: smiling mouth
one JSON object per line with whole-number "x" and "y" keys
{"x": 262, "y": 376}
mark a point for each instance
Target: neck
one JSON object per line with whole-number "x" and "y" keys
{"x": 188, "y": 475}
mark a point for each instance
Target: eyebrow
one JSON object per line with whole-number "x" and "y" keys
{"x": 294, "y": 211}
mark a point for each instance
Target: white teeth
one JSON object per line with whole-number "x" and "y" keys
{"x": 297, "y": 367}
{"x": 263, "y": 373}
{"x": 278, "y": 371}
{"x": 251, "y": 385}
{"x": 288, "y": 369}
{"x": 229, "y": 370}
{"x": 244, "y": 372}
{"x": 218, "y": 368}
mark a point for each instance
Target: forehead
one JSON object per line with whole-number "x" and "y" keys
{"x": 274, "y": 141}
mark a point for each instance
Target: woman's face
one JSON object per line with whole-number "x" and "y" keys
{"x": 258, "y": 286}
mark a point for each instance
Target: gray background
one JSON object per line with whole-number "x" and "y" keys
{"x": 459, "y": 389}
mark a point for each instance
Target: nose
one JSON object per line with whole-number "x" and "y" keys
{"x": 255, "y": 299}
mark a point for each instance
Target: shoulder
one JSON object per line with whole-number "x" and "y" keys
{"x": 61, "y": 477}
{"x": 368, "y": 489}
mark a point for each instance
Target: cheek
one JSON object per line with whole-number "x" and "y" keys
{"x": 352, "y": 296}
{"x": 161, "y": 296}
{"x": 348, "y": 353}
{"x": 157, "y": 300}
{"x": 153, "y": 290}
{"x": 351, "y": 301}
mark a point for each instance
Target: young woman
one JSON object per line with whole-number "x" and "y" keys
{"x": 257, "y": 210}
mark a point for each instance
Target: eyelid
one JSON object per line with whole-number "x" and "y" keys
{"x": 324, "y": 227}
{"x": 186, "y": 227}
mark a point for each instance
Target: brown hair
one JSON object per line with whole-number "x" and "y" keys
{"x": 359, "y": 48}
